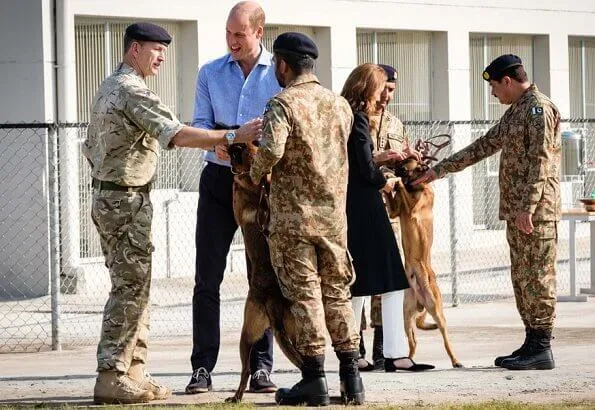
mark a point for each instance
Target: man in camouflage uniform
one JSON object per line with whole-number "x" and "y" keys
{"x": 304, "y": 146}
{"x": 529, "y": 136}
{"x": 128, "y": 124}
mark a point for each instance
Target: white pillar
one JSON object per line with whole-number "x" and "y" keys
{"x": 559, "y": 72}
{"x": 343, "y": 50}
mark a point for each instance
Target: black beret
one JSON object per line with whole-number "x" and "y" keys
{"x": 295, "y": 43}
{"x": 499, "y": 65}
{"x": 148, "y": 32}
{"x": 391, "y": 72}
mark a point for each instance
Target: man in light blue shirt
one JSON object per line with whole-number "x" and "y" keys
{"x": 230, "y": 91}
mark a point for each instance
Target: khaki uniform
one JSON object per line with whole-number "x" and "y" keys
{"x": 304, "y": 146}
{"x": 128, "y": 124}
{"x": 387, "y": 132}
{"x": 529, "y": 136}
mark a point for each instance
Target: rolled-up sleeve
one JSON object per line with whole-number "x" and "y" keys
{"x": 144, "y": 108}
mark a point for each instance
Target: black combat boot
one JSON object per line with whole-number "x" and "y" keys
{"x": 352, "y": 388}
{"x": 377, "y": 350}
{"x": 312, "y": 390}
{"x": 538, "y": 354}
{"x": 517, "y": 352}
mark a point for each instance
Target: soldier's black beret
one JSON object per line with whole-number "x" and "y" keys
{"x": 295, "y": 43}
{"x": 390, "y": 71}
{"x": 148, "y": 32}
{"x": 499, "y": 65}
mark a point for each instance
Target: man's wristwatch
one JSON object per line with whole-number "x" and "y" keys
{"x": 230, "y": 136}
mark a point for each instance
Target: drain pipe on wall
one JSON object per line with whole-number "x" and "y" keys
{"x": 53, "y": 196}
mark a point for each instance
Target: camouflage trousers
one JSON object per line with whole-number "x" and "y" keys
{"x": 533, "y": 273}
{"x": 123, "y": 221}
{"x": 315, "y": 275}
{"x": 376, "y": 300}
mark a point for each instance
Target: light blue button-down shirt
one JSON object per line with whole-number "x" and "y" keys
{"x": 224, "y": 96}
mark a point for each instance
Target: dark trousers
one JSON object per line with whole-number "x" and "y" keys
{"x": 215, "y": 229}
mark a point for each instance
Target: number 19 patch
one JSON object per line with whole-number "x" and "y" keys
{"x": 537, "y": 110}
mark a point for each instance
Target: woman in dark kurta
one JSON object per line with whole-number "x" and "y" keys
{"x": 371, "y": 241}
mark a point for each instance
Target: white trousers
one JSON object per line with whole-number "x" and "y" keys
{"x": 393, "y": 328}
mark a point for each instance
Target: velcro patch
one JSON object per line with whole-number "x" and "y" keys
{"x": 537, "y": 110}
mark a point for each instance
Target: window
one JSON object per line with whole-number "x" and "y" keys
{"x": 582, "y": 77}
{"x": 410, "y": 52}
{"x": 483, "y": 49}
{"x": 271, "y": 32}
{"x": 99, "y": 48}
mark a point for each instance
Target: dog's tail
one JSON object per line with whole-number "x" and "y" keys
{"x": 288, "y": 348}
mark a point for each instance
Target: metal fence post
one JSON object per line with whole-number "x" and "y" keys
{"x": 53, "y": 198}
{"x": 452, "y": 218}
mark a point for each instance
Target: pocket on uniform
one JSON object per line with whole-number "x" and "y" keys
{"x": 150, "y": 143}
{"x": 545, "y": 230}
{"x": 276, "y": 257}
{"x": 141, "y": 240}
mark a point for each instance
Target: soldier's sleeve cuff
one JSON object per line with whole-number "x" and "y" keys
{"x": 439, "y": 170}
{"x": 168, "y": 133}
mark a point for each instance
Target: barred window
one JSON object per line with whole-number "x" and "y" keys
{"x": 410, "y": 52}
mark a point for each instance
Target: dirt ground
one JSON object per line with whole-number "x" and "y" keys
{"x": 479, "y": 332}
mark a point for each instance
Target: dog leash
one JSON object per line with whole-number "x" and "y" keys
{"x": 429, "y": 148}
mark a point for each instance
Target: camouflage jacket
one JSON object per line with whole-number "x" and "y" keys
{"x": 304, "y": 146}
{"x": 391, "y": 134}
{"x": 128, "y": 123}
{"x": 529, "y": 136}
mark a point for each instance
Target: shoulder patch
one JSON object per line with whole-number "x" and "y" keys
{"x": 537, "y": 110}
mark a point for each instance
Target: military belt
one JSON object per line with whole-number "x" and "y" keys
{"x": 112, "y": 186}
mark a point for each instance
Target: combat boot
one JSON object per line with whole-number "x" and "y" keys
{"x": 538, "y": 354}
{"x": 352, "y": 388}
{"x": 119, "y": 388}
{"x": 377, "y": 349}
{"x": 146, "y": 382}
{"x": 312, "y": 390}
{"x": 517, "y": 352}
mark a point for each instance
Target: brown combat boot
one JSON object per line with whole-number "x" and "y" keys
{"x": 146, "y": 382}
{"x": 118, "y": 388}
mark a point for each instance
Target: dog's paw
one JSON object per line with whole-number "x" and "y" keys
{"x": 232, "y": 399}
{"x": 458, "y": 365}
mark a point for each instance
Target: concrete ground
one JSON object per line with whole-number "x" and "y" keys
{"x": 478, "y": 333}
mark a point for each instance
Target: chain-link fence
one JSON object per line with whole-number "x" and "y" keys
{"x": 53, "y": 284}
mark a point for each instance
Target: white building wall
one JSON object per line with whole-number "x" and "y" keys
{"x": 28, "y": 67}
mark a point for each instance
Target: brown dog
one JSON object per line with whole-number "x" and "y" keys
{"x": 413, "y": 205}
{"x": 265, "y": 305}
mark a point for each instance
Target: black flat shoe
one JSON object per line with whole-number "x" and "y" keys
{"x": 364, "y": 366}
{"x": 389, "y": 366}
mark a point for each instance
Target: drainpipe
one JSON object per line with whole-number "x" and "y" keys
{"x": 69, "y": 147}
{"x": 53, "y": 206}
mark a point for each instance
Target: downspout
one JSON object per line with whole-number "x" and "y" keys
{"x": 69, "y": 149}
{"x": 53, "y": 196}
